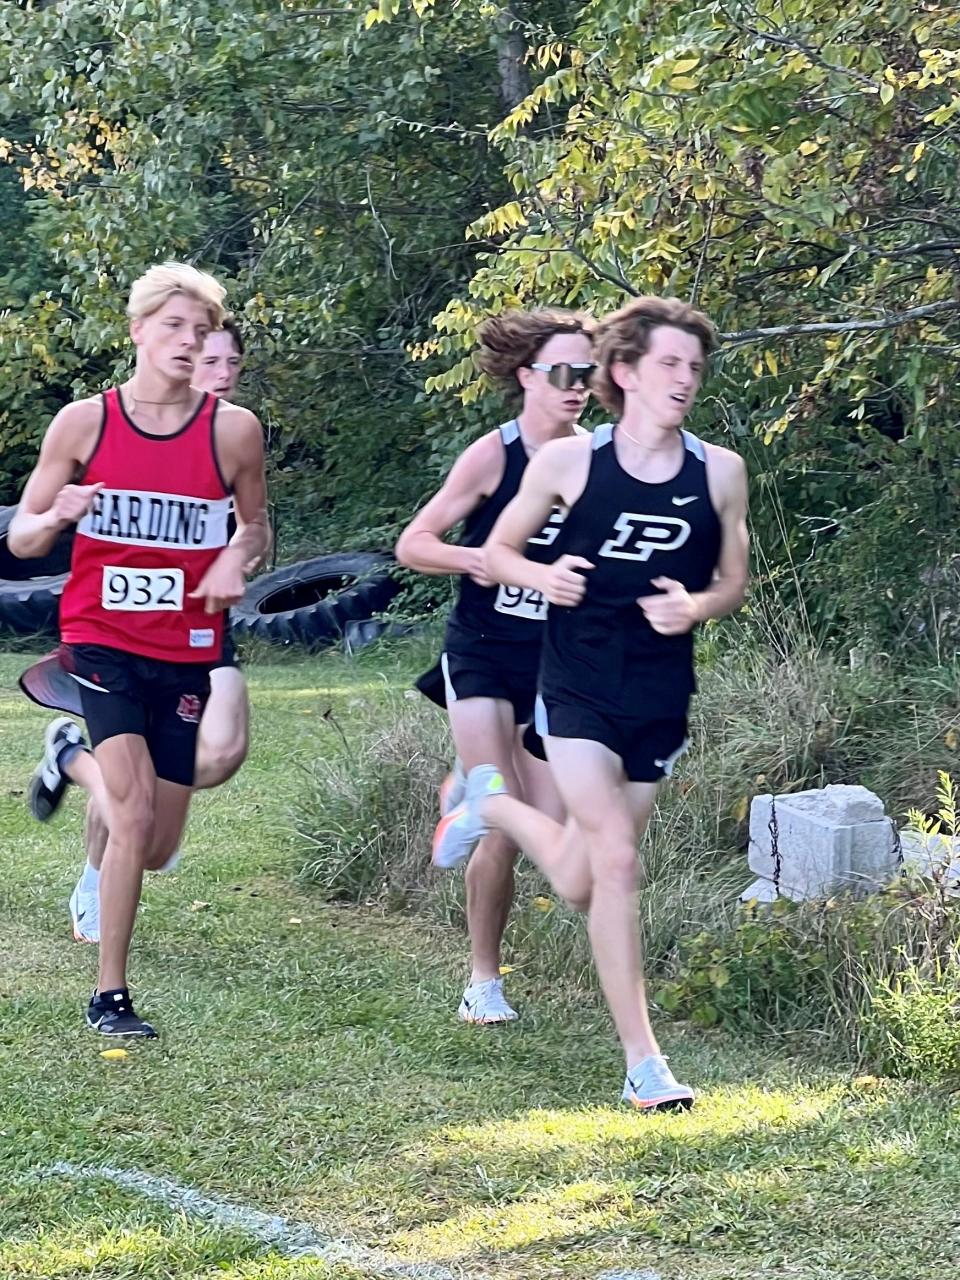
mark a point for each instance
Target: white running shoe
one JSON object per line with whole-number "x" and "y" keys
{"x": 452, "y": 788}
{"x": 652, "y": 1086}
{"x": 49, "y": 783}
{"x": 85, "y": 912}
{"x": 485, "y": 1004}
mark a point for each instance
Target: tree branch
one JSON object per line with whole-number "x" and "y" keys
{"x": 842, "y": 326}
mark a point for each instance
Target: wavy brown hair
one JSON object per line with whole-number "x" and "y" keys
{"x": 514, "y": 338}
{"x": 625, "y": 336}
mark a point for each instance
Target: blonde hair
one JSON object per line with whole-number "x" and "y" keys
{"x": 625, "y": 337}
{"x": 152, "y": 290}
{"x": 514, "y": 338}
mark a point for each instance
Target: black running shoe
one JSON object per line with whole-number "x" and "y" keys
{"x": 112, "y": 1014}
{"x": 49, "y": 783}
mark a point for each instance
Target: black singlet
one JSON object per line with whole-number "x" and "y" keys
{"x": 513, "y": 615}
{"x": 604, "y": 653}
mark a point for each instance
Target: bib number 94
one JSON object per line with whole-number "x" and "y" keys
{"x": 142, "y": 590}
{"x": 521, "y": 602}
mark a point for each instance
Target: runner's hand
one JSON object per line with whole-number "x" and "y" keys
{"x": 478, "y": 569}
{"x": 223, "y": 584}
{"x": 73, "y": 502}
{"x": 563, "y": 582}
{"x": 672, "y": 614}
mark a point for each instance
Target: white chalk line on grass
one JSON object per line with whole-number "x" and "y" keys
{"x": 629, "y": 1275}
{"x": 286, "y": 1236}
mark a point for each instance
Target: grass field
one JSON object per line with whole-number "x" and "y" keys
{"x": 310, "y": 1066}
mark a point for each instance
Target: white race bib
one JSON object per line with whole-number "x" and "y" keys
{"x": 142, "y": 590}
{"x": 521, "y": 602}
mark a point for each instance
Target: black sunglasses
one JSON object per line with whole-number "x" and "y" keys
{"x": 565, "y": 376}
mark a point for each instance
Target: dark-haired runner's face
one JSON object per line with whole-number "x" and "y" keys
{"x": 220, "y": 365}
{"x": 560, "y": 406}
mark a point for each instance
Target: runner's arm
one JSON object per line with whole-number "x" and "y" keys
{"x": 253, "y": 537}
{"x": 472, "y": 478}
{"x": 540, "y": 491}
{"x": 50, "y": 503}
{"x": 223, "y": 584}
{"x": 726, "y": 592}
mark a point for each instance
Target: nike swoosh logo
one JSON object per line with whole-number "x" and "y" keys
{"x": 682, "y": 502}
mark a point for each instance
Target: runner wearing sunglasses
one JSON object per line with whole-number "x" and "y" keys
{"x": 492, "y": 644}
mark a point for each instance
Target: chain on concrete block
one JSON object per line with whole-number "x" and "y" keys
{"x": 773, "y": 826}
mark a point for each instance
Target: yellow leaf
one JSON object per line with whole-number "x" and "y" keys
{"x": 294, "y": 920}
{"x": 505, "y": 969}
{"x": 682, "y": 82}
{"x": 866, "y": 1082}
{"x": 739, "y": 128}
{"x": 771, "y": 360}
{"x": 684, "y": 65}
{"x": 741, "y": 809}
{"x": 809, "y": 147}
{"x": 918, "y": 151}
{"x": 887, "y": 92}
{"x": 543, "y": 904}
{"x": 757, "y": 366}
{"x": 114, "y": 1055}
{"x": 372, "y": 16}
{"x": 911, "y": 174}
{"x": 952, "y": 740}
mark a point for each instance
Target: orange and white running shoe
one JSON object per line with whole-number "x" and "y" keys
{"x": 651, "y": 1086}
{"x": 462, "y": 829}
{"x": 452, "y": 788}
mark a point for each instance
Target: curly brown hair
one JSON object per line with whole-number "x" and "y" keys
{"x": 230, "y": 326}
{"x": 513, "y": 339}
{"x": 625, "y": 336}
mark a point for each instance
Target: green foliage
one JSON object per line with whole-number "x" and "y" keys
{"x": 792, "y": 169}
{"x": 324, "y": 172}
{"x": 913, "y": 1027}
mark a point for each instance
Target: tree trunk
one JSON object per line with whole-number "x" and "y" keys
{"x": 511, "y": 51}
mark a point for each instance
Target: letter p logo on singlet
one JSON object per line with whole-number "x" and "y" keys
{"x": 638, "y": 536}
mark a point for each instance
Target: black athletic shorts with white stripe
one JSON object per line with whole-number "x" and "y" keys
{"x": 649, "y": 749}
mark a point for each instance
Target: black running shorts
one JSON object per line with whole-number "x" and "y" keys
{"x": 229, "y": 656}
{"x": 649, "y": 749}
{"x": 490, "y": 671}
{"x": 161, "y": 702}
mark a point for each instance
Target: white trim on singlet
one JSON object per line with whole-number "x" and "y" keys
{"x": 510, "y": 431}
{"x": 604, "y": 434}
{"x": 695, "y": 445}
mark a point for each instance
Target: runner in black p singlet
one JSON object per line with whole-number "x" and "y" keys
{"x": 607, "y": 675}
{"x": 493, "y": 637}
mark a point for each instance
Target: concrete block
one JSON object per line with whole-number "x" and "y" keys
{"x": 925, "y": 855}
{"x": 828, "y": 840}
{"x": 762, "y": 891}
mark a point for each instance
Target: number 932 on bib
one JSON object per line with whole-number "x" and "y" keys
{"x": 142, "y": 590}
